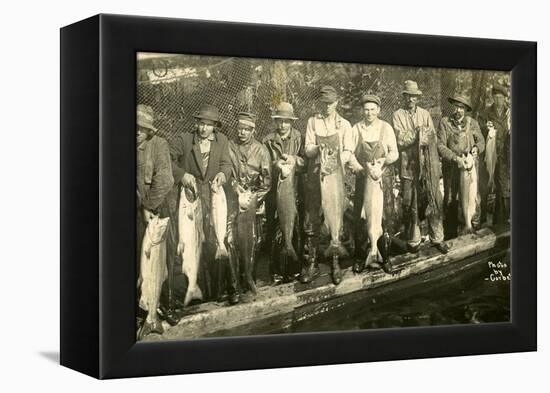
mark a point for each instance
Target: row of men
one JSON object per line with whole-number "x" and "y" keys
{"x": 206, "y": 159}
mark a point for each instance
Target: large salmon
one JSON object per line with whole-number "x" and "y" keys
{"x": 332, "y": 192}
{"x": 219, "y": 220}
{"x": 286, "y": 206}
{"x": 190, "y": 241}
{"x": 373, "y": 206}
{"x": 491, "y": 155}
{"x": 246, "y": 237}
{"x": 153, "y": 270}
{"x": 468, "y": 191}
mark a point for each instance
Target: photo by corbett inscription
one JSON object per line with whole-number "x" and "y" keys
{"x": 281, "y": 196}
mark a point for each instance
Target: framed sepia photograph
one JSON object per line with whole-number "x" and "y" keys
{"x": 296, "y": 196}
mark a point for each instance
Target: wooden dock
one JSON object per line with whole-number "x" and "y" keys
{"x": 271, "y": 301}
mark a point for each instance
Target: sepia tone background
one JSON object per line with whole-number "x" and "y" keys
{"x": 176, "y": 85}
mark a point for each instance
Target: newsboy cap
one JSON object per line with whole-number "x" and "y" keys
{"x": 247, "y": 118}
{"x": 371, "y": 98}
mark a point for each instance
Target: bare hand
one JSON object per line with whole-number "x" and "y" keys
{"x": 218, "y": 181}
{"x": 147, "y": 215}
{"x": 424, "y": 136}
{"x": 289, "y": 159}
{"x": 189, "y": 181}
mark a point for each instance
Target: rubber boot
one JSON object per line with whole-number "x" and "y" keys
{"x": 310, "y": 269}
{"x": 384, "y": 247}
{"x": 232, "y": 275}
{"x": 336, "y": 272}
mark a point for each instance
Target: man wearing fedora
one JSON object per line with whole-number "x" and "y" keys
{"x": 420, "y": 169}
{"x": 154, "y": 181}
{"x": 458, "y": 135}
{"x": 374, "y": 139}
{"x": 200, "y": 162}
{"x": 495, "y": 123}
{"x": 285, "y": 147}
{"x": 251, "y": 171}
{"x": 327, "y": 122}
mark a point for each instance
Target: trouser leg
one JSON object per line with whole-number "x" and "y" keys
{"x": 359, "y": 232}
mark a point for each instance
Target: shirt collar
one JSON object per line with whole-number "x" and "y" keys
{"x": 211, "y": 138}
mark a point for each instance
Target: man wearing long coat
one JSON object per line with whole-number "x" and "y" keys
{"x": 420, "y": 169}
{"x": 200, "y": 159}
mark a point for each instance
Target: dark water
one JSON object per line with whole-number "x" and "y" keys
{"x": 468, "y": 291}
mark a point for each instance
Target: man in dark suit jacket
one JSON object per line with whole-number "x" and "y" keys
{"x": 200, "y": 160}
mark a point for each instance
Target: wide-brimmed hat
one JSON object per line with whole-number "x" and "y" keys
{"x": 461, "y": 99}
{"x": 208, "y": 112}
{"x": 370, "y": 98}
{"x": 144, "y": 117}
{"x": 328, "y": 94}
{"x": 500, "y": 89}
{"x": 247, "y": 118}
{"x": 411, "y": 88}
{"x": 284, "y": 111}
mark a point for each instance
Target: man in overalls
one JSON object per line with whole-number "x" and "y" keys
{"x": 326, "y": 123}
{"x": 285, "y": 147}
{"x": 373, "y": 139}
{"x": 458, "y": 135}
{"x": 251, "y": 167}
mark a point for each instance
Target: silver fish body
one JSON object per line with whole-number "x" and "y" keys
{"x": 219, "y": 221}
{"x": 286, "y": 209}
{"x": 190, "y": 241}
{"x": 153, "y": 270}
{"x": 468, "y": 191}
{"x": 373, "y": 207}
{"x": 332, "y": 193}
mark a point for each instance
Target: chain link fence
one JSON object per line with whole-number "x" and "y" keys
{"x": 175, "y": 86}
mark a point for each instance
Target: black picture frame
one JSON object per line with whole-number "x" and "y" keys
{"x": 98, "y": 297}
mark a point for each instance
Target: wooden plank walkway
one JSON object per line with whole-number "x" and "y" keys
{"x": 270, "y": 301}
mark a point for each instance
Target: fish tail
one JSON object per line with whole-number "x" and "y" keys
{"x": 221, "y": 253}
{"x": 192, "y": 293}
{"x": 291, "y": 252}
{"x": 336, "y": 250}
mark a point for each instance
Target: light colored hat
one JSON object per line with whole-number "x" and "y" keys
{"x": 145, "y": 117}
{"x": 284, "y": 111}
{"x": 411, "y": 88}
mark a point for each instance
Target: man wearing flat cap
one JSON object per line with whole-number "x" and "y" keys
{"x": 200, "y": 162}
{"x": 285, "y": 147}
{"x": 251, "y": 168}
{"x": 154, "y": 181}
{"x": 495, "y": 163}
{"x": 459, "y": 135}
{"x": 325, "y": 124}
{"x": 375, "y": 144}
{"x": 420, "y": 169}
